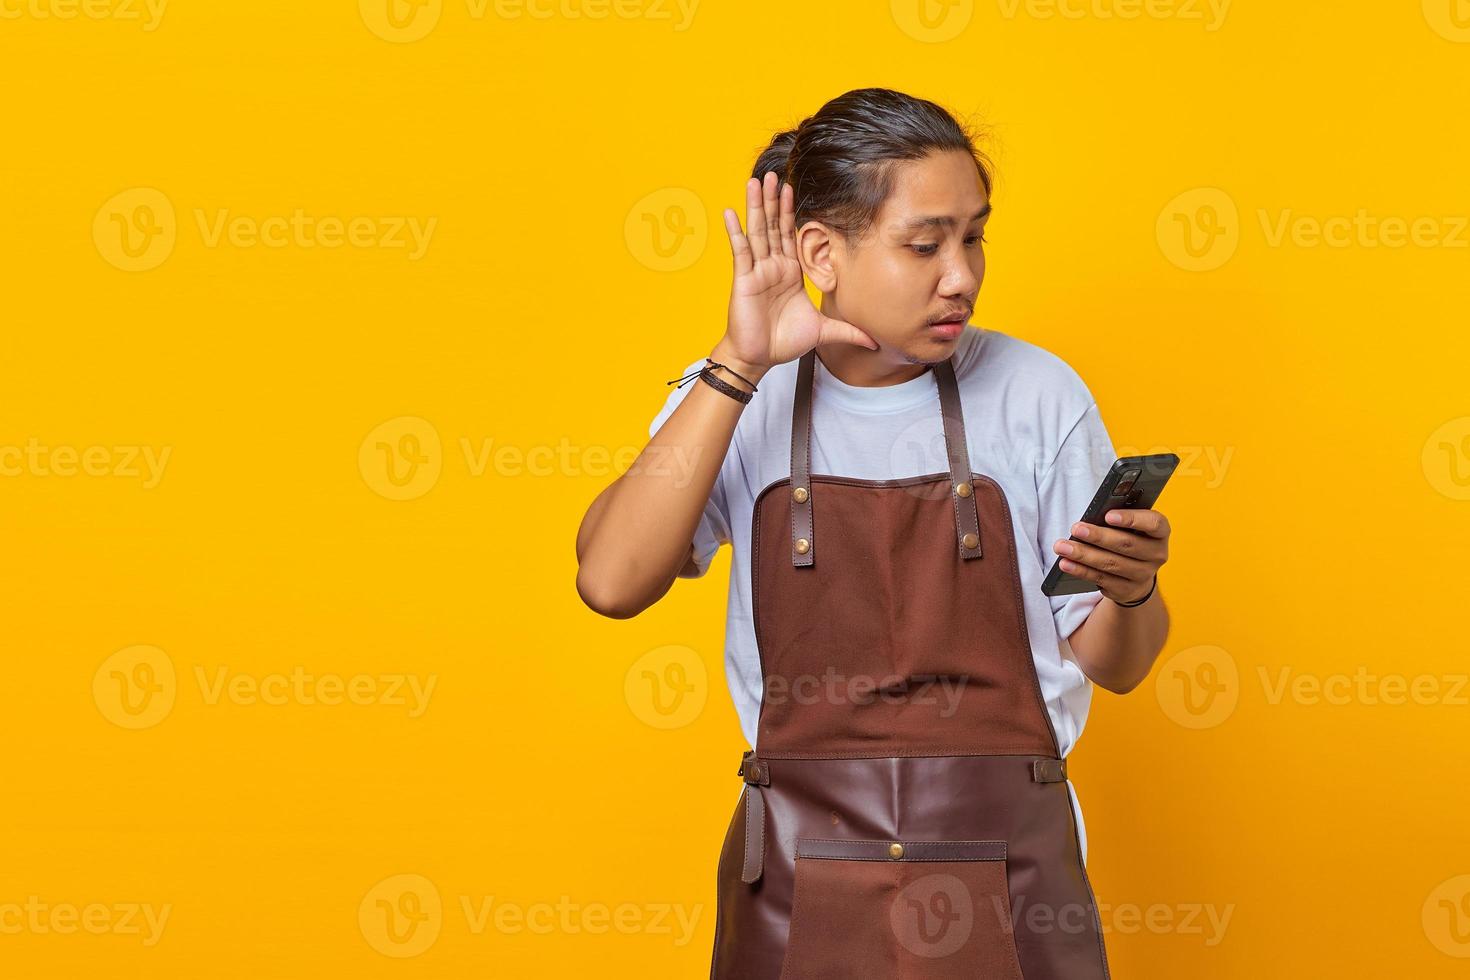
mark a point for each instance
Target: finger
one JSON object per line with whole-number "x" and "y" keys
{"x": 1130, "y": 543}
{"x": 840, "y": 331}
{"x": 788, "y": 221}
{"x": 1104, "y": 560}
{"x": 771, "y": 194}
{"x": 755, "y": 220}
{"x": 739, "y": 247}
{"x": 1149, "y": 522}
{"x": 1106, "y": 581}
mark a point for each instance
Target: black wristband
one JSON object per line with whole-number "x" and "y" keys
{"x": 720, "y": 384}
{"x": 1139, "y": 602}
{"x": 716, "y": 364}
{"x": 710, "y": 362}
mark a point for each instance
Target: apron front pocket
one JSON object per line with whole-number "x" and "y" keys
{"x": 900, "y": 910}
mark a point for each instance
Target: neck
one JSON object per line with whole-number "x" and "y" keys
{"x": 863, "y": 368}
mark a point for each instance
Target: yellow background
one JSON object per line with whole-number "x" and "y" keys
{"x": 540, "y": 324}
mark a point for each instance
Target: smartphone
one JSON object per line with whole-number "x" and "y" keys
{"x": 1132, "y": 482}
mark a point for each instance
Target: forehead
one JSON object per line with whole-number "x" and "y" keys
{"x": 939, "y": 185}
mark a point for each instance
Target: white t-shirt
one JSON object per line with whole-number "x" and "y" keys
{"x": 1031, "y": 425}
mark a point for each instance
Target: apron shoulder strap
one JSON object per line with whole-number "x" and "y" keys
{"x": 962, "y": 490}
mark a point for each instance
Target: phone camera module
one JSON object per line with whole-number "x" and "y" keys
{"x": 1125, "y": 485}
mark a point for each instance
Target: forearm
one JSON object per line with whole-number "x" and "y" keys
{"x": 1116, "y": 646}
{"x": 636, "y": 535}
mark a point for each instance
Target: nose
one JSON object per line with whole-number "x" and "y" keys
{"x": 961, "y": 278}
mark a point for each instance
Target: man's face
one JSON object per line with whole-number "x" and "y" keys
{"x": 922, "y": 260}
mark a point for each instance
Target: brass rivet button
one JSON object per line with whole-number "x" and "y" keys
{"x": 970, "y": 540}
{"x": 803, "y": 546}
{"x": 963, "y": 489}
{"x": 895, "y": 851}
{"x": 799, "y": 495}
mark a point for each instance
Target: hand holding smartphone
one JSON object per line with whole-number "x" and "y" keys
{"x": 1131, "y": 482}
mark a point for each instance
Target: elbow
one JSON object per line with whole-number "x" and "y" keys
{"x": 1119, "y": 685}
{"x": 1119, "y": 678}
{"x": 603, "y": 600}
{"x": 1108, "y": 676}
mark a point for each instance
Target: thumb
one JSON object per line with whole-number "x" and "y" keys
{"x": 840, "y": 331}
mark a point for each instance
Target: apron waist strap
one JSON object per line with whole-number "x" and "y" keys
{"x": 756, "y": 774}
{"x": 1049, "y": 770}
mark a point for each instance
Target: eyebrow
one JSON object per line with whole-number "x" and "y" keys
{"x": 941, "y": 221}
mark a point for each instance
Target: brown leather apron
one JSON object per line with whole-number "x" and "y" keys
{"x": 906, "y": 812}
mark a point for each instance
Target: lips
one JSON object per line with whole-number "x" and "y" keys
{"x": 959, "y": 316}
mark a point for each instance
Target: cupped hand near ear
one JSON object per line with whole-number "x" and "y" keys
{"x": 772, "y": 320}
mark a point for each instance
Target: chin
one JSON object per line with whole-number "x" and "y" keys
{"x": 929, "y": 351}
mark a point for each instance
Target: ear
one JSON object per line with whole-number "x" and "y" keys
{"x": 820, "y": 250}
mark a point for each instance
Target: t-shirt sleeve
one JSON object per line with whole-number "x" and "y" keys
{"x": 1063, "y": 493}
{"x": 713, "y": 529}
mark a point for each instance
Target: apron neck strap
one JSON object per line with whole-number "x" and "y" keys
{"x": 961, "y": 489}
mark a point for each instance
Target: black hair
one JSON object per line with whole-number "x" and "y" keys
{"x": 840, "y": 161}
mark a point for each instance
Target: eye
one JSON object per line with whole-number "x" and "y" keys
{"x": 931, "y": 248}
